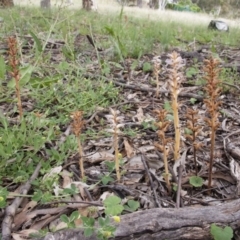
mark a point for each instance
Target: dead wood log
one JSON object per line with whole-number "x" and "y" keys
{"x": 174, "y": 224}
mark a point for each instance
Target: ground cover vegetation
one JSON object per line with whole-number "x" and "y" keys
{"x": 102, "y": 115}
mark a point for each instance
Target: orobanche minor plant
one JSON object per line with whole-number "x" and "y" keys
{"x": 162, "y": 124}
{"x": 213, "y": 103}
{"x": 175, "y": 78}
{"x": 156, "y": 70}
{"x": 194, "y": 129}
{"x": 77, "y": 126}
{"x": 14, "y": 64}
{"x": 115, "y": 124}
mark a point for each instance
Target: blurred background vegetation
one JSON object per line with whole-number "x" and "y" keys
{"x": 229, "y": 8}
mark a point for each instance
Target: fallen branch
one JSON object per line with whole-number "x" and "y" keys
{"x": 145, "y": 89}
{"x": 175, "y": 224}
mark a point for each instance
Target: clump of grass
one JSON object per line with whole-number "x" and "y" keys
{"x": 162, "y": 145}
{"x": 77, "y": 126}
{"x": 192, "y": 125}
{"x": 175, "y": 79}
{"x": 15, "y": 73}
{"x": 212, "y": 102}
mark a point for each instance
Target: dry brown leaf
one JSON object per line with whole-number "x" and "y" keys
{"x": 135, "y": 164}
{"x": 180, "y": 161}
{"x": 146, "y": 148}
{"x": 24, "y": 234}
{"x": 44, "y": 212}
{"x": 103, "y": 142}
{"x": 42, "y": 222}
{"x": 154, "y": 162}
{"x": 132, "y": 178}
{"x": 58, "y": 225}
{"x": 100, "y": 156}
{"x": 53, "y": 172}
{"x": 66, "y": 178}
{"x": 139, "y": 117}
{"x": 128, "y": 148}
{"x": 22, "y": 217}
{"x": 29, "y": 206}
{"x": 131, "y": 96}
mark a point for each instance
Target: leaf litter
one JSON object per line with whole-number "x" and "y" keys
{"x": 137, "y": 133}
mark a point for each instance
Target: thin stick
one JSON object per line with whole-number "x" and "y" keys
{"x": 115, "y": 139}
{"x": 80, "y": 157}
{"x": 179, "y": 188}
{"x": 12, "y": 209}
{"x": 213, "y": 135}
{"x": 150, "y": 179}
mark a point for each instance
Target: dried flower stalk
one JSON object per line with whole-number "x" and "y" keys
{"x": 212, "y": 102}
{"x": 77, "y": 126}
{"x": 115, "y": 122}
{"x": 15, "y": 73}
{"x": 175, "y": 78}
{"x": 156, "y": 70}
{"x": 162, "y": 146}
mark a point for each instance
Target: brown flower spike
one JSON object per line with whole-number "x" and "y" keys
{"x": 162, "y": 145}
{"x": 14, "y": 63}
{"x": 175, "y": 77}
{"x": 192, "y": 124}
{"x": 77, "y": 126}
{"x": 156, "y": 70}
{"x": 115, "y": 124}
{"x": 212, "y": 103}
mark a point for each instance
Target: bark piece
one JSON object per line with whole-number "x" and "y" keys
{"x": 176, "y": 224}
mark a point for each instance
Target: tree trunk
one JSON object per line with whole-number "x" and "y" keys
{"x": 6, "y": 3}
{"x": 45, "y": 3}
{"x": 155, "y": 4}
{"x": 176, "y": 224}
{"x": 87, "y": 4}
{"x": 139, "y": 3}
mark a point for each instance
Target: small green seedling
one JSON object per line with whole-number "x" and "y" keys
{"x": 70, "y": 220}
{"x": 147, "y": 67}
{"x": 196, "y": 181}
{"x": 3, "y": 197}
{"x": 3, "y": 69}
{"x": 106, "y": 179}
{"x": 193, "y": 100}
{"x": 113, "y": 206}
{"x": 132, "y": 205}
{"x": 219, "y": 233}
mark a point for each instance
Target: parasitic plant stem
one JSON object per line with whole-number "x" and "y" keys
{"x": 192, "y": 124}
{"x": 213, "y": 103}
{"x": 162, "y": 145}
{"x": 77, "y": 126}
{"x": 14, "y": 63}
{"x": 115, "y": 140}
{"x": 115, "y": 122}
{"x": 175, "y": 78}
{"x": 156, "y": 70}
